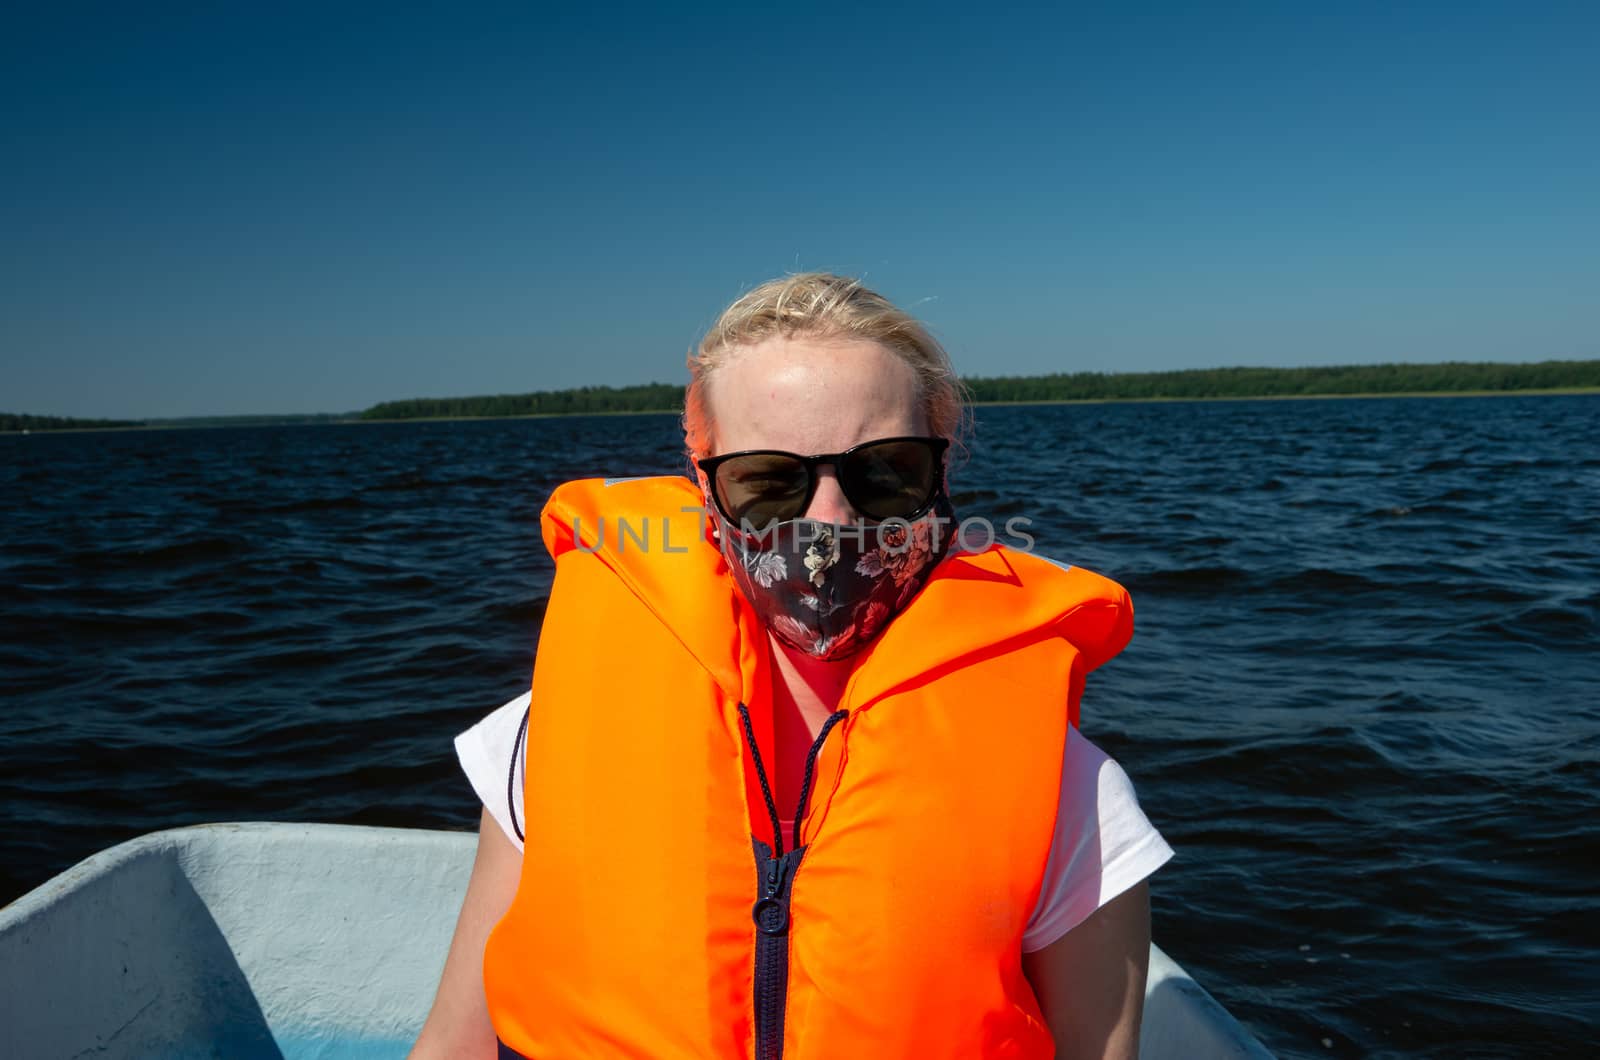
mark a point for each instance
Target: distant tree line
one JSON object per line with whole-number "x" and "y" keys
{"x": 650, "y": 397}
{"x": 1453, "y": 377}
{"x": 12, "y": 421}
{"x": 255, "y": 420}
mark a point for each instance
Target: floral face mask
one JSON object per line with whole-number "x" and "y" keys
{"x": 828, "y": 589}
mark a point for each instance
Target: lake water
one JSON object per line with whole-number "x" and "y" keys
{"x": 1362, "y": 700}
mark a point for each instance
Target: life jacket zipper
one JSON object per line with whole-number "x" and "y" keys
{"x": 775, "y": 873}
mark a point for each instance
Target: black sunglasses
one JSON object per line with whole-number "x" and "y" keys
{"x": 887, "y": 478}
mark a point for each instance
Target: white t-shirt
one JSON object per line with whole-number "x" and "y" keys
{"x": 1102, "y": 845}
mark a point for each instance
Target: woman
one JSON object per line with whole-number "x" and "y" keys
{"x": 961, "y": 873}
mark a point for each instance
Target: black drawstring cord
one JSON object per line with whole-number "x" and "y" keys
{"x": 805, "y": 784}
{"x": 511, "y": 781}
{"x": 811, "y": 761}
{"x": 761, "y": 774}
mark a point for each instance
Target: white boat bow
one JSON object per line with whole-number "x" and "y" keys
{"x": 301, "y": 941}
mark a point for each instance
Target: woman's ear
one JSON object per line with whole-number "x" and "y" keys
{"x": 707, "y": 504}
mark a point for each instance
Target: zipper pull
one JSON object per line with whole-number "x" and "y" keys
{"x": 771, "y": 911}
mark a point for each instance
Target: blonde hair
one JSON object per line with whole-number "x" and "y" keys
{"x": 824, "y": 306}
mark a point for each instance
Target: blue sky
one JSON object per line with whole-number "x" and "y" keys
{"x": 229, "y": 208}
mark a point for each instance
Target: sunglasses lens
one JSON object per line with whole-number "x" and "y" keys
{"x": 891, "y": 479}
{"x": 757, "y": 489}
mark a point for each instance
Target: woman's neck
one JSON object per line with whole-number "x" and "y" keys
{"x": 804, "y": 692}
{"x": 813, "y": 685}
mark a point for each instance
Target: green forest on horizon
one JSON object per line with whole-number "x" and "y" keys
{"x": 1456, "y": 377}
{"x": 1190, "y": 384}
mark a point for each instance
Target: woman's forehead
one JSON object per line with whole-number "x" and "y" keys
{"x": 809, "y": 395}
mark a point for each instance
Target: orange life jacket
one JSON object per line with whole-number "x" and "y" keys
{"x": 655, "y": 916}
